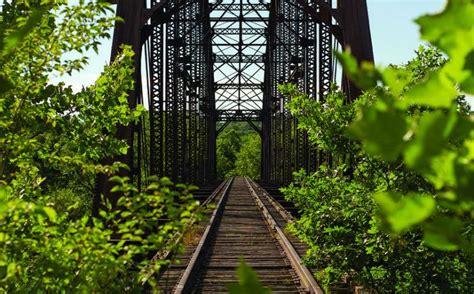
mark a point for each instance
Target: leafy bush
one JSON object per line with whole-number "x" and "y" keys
{"x": 41, "y": 250}
{"x": 51, "y": 139}
{"x": 249, "y": 157}
{"x": 50, "y": 136}
{"x": 238, "y": 151}
{"x": 436, "y": 142}
{"x": 339, "y": 223}
{"x": 394, "y": 212}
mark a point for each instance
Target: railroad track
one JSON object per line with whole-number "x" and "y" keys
{"x": 246, "y": 224}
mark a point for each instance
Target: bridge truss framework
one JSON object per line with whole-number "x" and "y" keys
{"x": 221, "y": 61}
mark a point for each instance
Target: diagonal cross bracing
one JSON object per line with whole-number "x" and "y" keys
{"x": 222, "y": 60}
{"x": 239, "y": 46}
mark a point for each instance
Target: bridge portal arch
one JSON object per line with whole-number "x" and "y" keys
{"x": 221, "y": 60}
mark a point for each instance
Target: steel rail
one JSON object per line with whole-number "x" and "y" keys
{"x": 183, "y": 284}
{"x": 306, "y": 278}
{"x": 177, "y": 238}
{"x": 281, "y": 210}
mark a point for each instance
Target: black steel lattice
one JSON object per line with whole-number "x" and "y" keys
{"x": 222, "y": 61}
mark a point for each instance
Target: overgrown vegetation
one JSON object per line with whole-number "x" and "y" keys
{"x": 51, "y": 139}
{"x": 394, "y": 212}
{"x": 238, "y": 151}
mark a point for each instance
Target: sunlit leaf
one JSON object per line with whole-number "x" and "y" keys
{"x": 403, "y": 212}
{"x": 364, "y": 75}
{"x": 436, "y": 91}
{"x": 443, "y": 170}
{"x": 439, "y": 240}
{"x": 248, "y": 282}
{"x": 431, "y": 134}
{"x": 15, "y": 38}
{"x": 452, "y": 30}
{"x": 51, "y": 213}
{"x": 381, "y": 132}
{"x": 445, "y": 234}
{"x": 396, "y": 79}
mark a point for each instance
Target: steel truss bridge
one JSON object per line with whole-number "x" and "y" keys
{"x": 201, "y": 64}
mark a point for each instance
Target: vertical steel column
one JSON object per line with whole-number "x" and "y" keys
{"x": 325, "y": 53}
{"x": 181, "y": 103}
{"x": 268, "y": 138}
{"x": 356, "y": 34}
{"x": 293, "y": 58}
{"x": 127, "y": 32}
{"x": 209, "y": 102}
{"x": 156, "y": 103}
{"x": 311, "y": 84}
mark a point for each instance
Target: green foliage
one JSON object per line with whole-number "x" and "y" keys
{"x": 41, "y": 250}
{"x": 51, "y": 139}
{"x": 324, "y": 122}
{"x": 248, "y": 158}
{"x": 228, "y": 145}
{"x": 238, "y": 151}
{"x": 435, "y": 142}
{"x": 248, "y": 282}
{"x": 394, "y": 210}
{"x": 340, "y": 223}
{"x": 48, "y": 130}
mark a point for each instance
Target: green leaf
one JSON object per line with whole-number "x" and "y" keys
{"x": 248, "y": 282}
{"x": 185, "y": 214}
{"x": 125, "y": 214}
{"x": 3, "y": 194}
{"x": 441, "y": 29}
{"x": 452, "y": 31}
{"x": 51, "y": 213}
{"x": 442, "y": 170}
{"x": 364, "y": 76}
{"x": 433, "y": 130}
{"x": 11, "y": 269}
{"x": 15, "y": 38}
{"x": 444, "y": 233}
{"x": 397, "y": 79}
{"x": 440, "y": 241}
{"x": 436, "y": 91}
{"x": 403, "y": 212}
{"x": 468, "y": 84}
{"x": 381, "y": 132}
{"x": 464, "y": 173}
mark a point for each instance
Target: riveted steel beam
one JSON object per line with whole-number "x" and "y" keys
{"x": 209, "y": 62}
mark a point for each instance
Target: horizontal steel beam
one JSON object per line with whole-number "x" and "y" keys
{"x": 236, "y": 45}
{"x": 236, "y": 7}
{"x": 237, "y": 31}
{"x": 239, "y": 19}
{"x": 239, "y": 59}
{"x": 239, "y": 115}
{"x": 238, "y": 86}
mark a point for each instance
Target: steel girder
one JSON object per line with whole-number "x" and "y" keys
{"x": 302, "y": 35}
{"x": 181, "y": 104}
{"x": 292, "y": 56}
{"x": 222, "y": 61}
{"x": 239, "y": 44}
{"x": 129, "y": 33}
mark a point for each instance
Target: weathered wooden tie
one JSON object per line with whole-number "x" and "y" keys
{"x": 247, "y": 226}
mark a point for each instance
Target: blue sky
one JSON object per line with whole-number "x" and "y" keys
{"x": 395, "y": 36}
